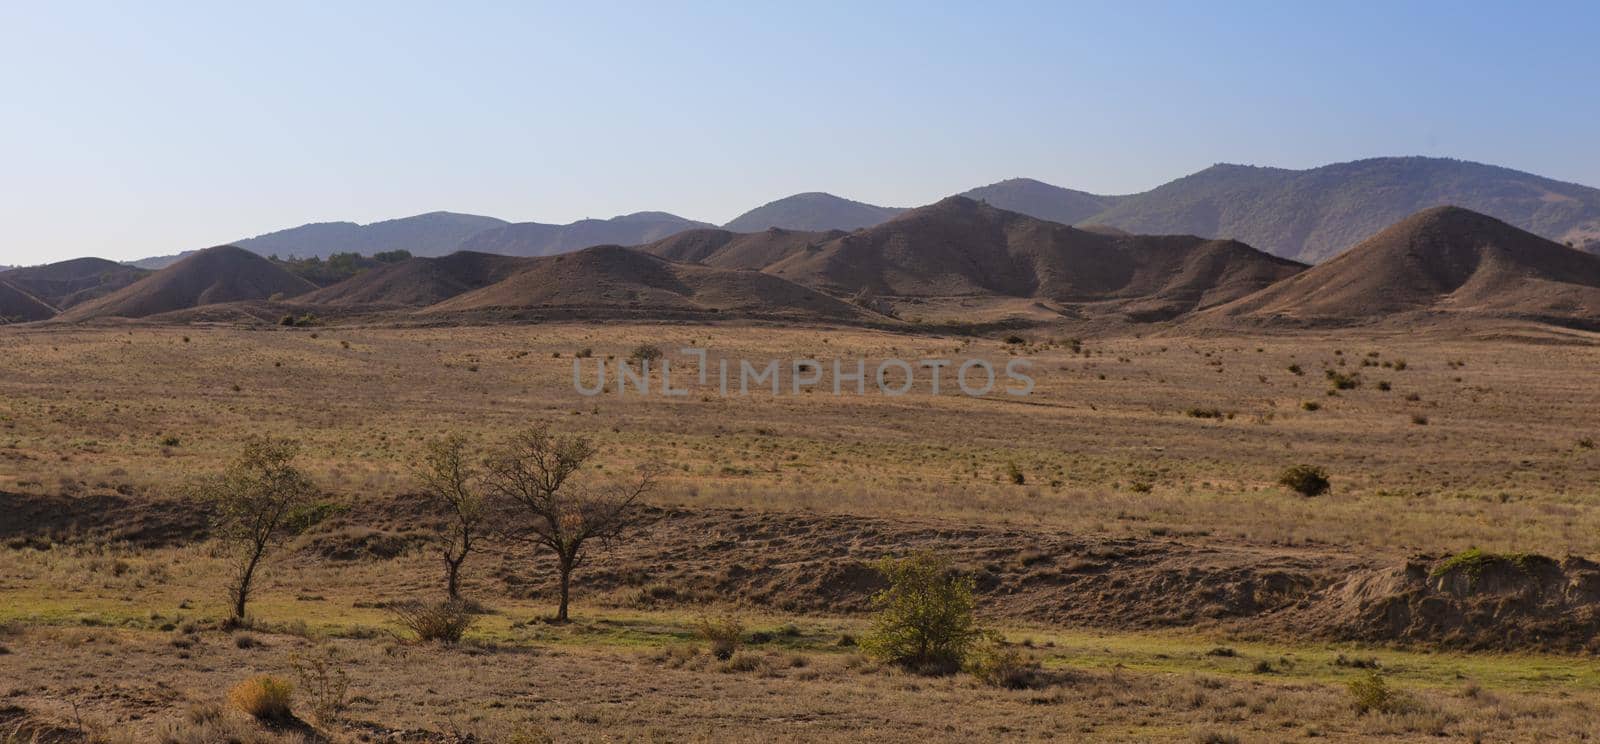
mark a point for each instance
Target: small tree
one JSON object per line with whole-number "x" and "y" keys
{"x": 531, "y": 477}
{"x": 452, "y": 484}
{"x": 925, "y": 618}
{"x": 255, "y": 504}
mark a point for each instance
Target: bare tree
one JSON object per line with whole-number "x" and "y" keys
{"x": 532, "y": 475}
{"x": 255, "y": 503}
{"x": 454, "y": 486}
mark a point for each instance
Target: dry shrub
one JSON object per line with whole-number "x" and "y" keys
{"x": 325, "y": 683}
{"x": 209, "y": 724}
{"x": 445, "y": 622}
{"x": 745, "y": 661}
{"x": 264, "y": 697}
{"x": 998, "y": 664}
{"x": 1371, "y": 693}
{"x": 723, "y": 632}
{"x": 1306, "y": 480}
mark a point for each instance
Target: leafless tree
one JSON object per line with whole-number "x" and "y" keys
{"x": 532, "y": 476}
{"x": 255, "y": 503}
{"x": 453, "y": 483}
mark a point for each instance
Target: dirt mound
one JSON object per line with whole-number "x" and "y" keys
{"x": 961, "y": 247}
{"x": 419, "y": 282}
{"x": 616, "y": 277}
{"x": 17, "y": 306}
{"x": 1441, "y": 260}
{"x": 68, "y": 283}
{"x": 211, "y": 276}
{"x": 1472, "y": 601}
{"x": 106, "y": 517}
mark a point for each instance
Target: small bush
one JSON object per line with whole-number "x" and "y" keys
{"x": 264, "y": 697}
{"x": 745, "y": 662}
{"x": 1586, "y": 443}
{"x": 723, "y": 633}
{"x": 1000, "y": 665}
{"x": 1204, "y": 413}
{"x": 1306, "y": 480}
{"x": 644, "y": 353}
{"x": 1372, "y": 694}
{"x": 1385, "y": 386}
{"x": 325, "y": 683}
{"x": 1419, "y": 419}
{"x": 925, "y": 618}
{"x": 445, "y": 622}
{"x": 1296, "y": 369}
{"x": 1014, "y": 339}
{"x": 1014, "y": 474}
{"x": 1342, "y": 381}
{"x": 1311, "y": 405}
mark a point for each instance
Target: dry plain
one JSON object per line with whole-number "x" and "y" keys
{"x": 1148, "y": 559}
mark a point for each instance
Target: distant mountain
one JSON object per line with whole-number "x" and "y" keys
{"x": 17, "y": 306}
{"x": 1311, "y": 215}
{"x": 1042, "y": 200}
{"x": 222, "y": 274}
{"x": 431, "y": 234}
{"x": 68, "y": 283}
{"x": 812, "y": 211}
{"x": 420, "y": 282}
{"x": 539, "y": 239}
{"x": 1440, "y": 260}
{"x": 616, "y": 278}
{"x": 731, "y": 250}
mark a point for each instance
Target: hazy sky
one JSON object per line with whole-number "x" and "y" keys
{"x": 136, "y": 129}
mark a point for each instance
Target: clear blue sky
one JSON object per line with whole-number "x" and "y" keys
{"x": 132, "y": 129}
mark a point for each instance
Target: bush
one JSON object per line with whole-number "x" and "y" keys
{"x": 445, "y": 622}
{"x": 723, "y": 633}
{"x": 1204, "y": 413}
{"x": 1311, "y": 405}
{"x": 264, "y": 697}
{"x": 325, "y": 683}
{"x": 1000, "y": 665}
{"x": 1014, "y": 339}
{"x": 924, "y": 619}
{"x": 644, "y": 353}
{"x": 1371, "y": 693}
{"x": 1014, "y": 474}
{"x": 1306, "y": 480}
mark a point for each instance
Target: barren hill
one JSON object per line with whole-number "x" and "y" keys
{"x": 1042, "y": 200}
{"x": 68, "y": 283}
{"x": 961, "y": 247}
{"x": 612, "y": 277}
{"x": 811, "y": 211}
{"x": 1312, "y": 215}
{"x": 725, "y": 249}
{"x": 17, "y": 306}
{"x": 431, "y": 234}
{"x": 222, "y": 274}
{"x": 539, "y": 239}
{"x": 1444, "y": 259}
{"x": 419, "y": 282}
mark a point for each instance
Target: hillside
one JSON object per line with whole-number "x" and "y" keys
{"x": 222, "y": 274}
{"x": 961, "y": 247}
{"x": 616, "y": 278}
{"x": 812, "y": 211}
{"x": 68, "y": 283}
{"x": 1311, "y": 215}
{"x": 725, "y": 249}
{"x": 431, "y": 234}
{"x": 419, "y": 282}
{"x": 1444, "y": 260}
{"x": 17, "y": 306}
{"x": 539, "y": 239}
{"x": 1042, "y": 200}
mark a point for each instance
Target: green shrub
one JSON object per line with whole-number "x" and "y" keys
{"x": 1370, "y": 693}
{"x": 1306, "y": 480}
{"x": 924, "y": 618}
{"x": 997, "y": 664}
{"x": 723, "y": 633}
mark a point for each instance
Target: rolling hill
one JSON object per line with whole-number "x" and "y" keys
{"x": 725, "y": 249}
{"x": 1311, "y": 215}
{"x": 539, "y": 239}
{"x": 616, "y": 278}
{"x": 431, "y": 234}
{"x": 813, "y": 211}
{"x": 214, "y": 275}
{"x": 1440, "y": 260}
{"x": 419, "y": 282}
{"x": 1042, "y": 200}
{"x": 68, "y": 283}
{"x": 17, "y": 306}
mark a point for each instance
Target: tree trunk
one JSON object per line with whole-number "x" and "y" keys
{"x": 241, "y": 593}
{"x": 453, "y": 575}
{"x": 566, "y": 590}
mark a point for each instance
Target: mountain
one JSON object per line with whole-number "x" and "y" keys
{"x": 731, "y": 250}
{"x": 1311, "y": 215}
{"x": 17, "y": 306}
{"x": 419, "y": 282}
{"x": 539, "y": 239}
{"x": 222, "y": 274}
{"x": 960, "y": 247}
{"x": 616, "y": 278}
{"x": 68, "y": 283}
{"x": 1445, "y": 260}
{"x": 431, "y": 234}
{"x": 811, "y": 211}
{"x": 1042, "y": 200}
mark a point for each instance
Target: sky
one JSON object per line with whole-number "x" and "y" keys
{"x": 139, "y": 129}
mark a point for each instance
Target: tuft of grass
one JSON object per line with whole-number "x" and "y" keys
{"x": 1473, "y": 562}
{"x": 263, "y": 697}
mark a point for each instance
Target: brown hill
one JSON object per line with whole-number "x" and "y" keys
{"x": 725, "y": 249}
{"x": 1444, "y": 259}
{"x": 419, "y": 282}
{"x": 612, "y": 277}
{"x": 221, "y": 274}
{"x": 68, "y": 283}
{"x": 961, "y": 247}
{"x": 17, "y": 306}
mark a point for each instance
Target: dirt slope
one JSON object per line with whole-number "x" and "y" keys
{"x": 214, "y": 275}
{"x": 68, "y": 283}
{"x": 419, "y": 282}
{"x": 17, "y": 306}
{"x": 616, "y": 277}
{"x": 1442, "y": 260}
